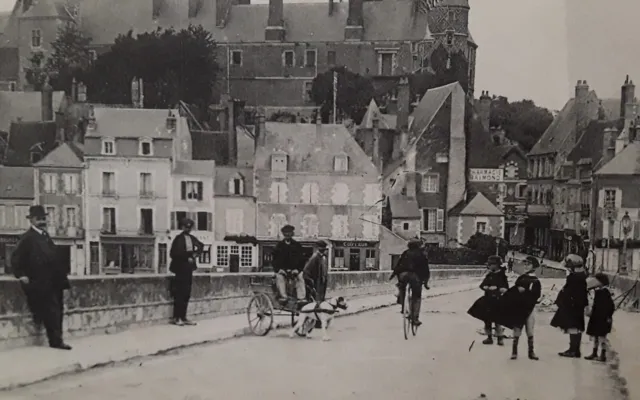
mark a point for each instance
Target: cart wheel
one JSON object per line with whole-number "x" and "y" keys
{"x": 260, "y": 314}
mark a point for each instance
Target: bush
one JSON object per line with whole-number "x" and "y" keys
{"x": 485, "y": 245}
{"x": 461, "y": 256}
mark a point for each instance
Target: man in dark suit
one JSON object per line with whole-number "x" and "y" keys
{"x": 184, "y": 249}
{"x": 44, "y": 279}
{"x": 288, "y": 259}
{"x": 316, "y": 271}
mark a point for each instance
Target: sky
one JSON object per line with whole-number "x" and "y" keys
{"x": 538, "y": 49}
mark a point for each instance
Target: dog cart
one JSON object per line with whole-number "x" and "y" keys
{"x": 264, "y": 305}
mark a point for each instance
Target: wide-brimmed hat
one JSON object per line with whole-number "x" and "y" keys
{"x": 186, "y": 223}
{"x": 37, "y": 212}
{"x": 321, "y": 244}
{"x": 287, "y": 228}
{"x": 494, "y": 260}
{"x": 602, "y": 278}
{"x": 533, "y": 261}
{"x": 573, "y": 261}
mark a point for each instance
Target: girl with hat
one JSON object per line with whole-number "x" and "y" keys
{"x": 601, "y": 318}
{"x": 494, "y": 284}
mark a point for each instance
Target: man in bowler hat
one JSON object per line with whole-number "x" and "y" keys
{"x": 288, "y": 258}
{"x": 184, "y": 249}
{"x": 43, "y": 277}
{"x": 316, "y": 270}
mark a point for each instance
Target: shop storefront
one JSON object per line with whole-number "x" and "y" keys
{"x": 127, "y": 254}
{"x": 354, "y": 256}
{"x": 7, "y": 245}
{"x": 236, "y": 254}
{"x": 266, "y": 250}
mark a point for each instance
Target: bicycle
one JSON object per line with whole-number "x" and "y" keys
{"x": 407, "y": 321}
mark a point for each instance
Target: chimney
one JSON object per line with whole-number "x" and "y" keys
{"x": 74, "y": 90}
{"x": 171, "y": 122}
{"x": 261, "y": 131}
{"x": 61, "y": 136}
{"x": 232, "y": 145}
{"x": 82, "y": 92}
{"x": 403, "y": 105}
{"x": 355, "y": 21}
{"x": 582, "y": 108}
{"x": 135, "y": 92}
{"x": 91, "y": 120}
{"x": 627, "y": 93}
{"x": 223, "y": 9}
{"x": 140, "y": 93}
{"x": 410, "y": 184}
{"x": 331, "y": 7}
{"x": 630, "y": 110}
{"x": 484, "y": 109}
{"x": 275, "y": 25}
{"x": 47, "y": 102}
{"x": 375, "y": 153}
{"x": 26, "y": 5}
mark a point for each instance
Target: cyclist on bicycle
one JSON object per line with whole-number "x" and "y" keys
{"x": 412, "y": 269}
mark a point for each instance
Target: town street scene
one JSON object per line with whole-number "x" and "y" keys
{"x": 319, "y": 199}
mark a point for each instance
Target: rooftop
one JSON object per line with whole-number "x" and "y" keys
{"x": 478, "y": 205}
{"x": 24, "y": 105}
{"x": 133, "y": 123}
{"x": 16, "y": 182}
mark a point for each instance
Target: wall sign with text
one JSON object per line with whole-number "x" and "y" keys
{"x": 486, "y": 175}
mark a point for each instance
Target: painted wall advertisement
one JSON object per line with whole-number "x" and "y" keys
{"x": 486, "y": 175}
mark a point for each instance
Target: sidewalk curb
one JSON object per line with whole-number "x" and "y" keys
{"x": 79, "y": 367}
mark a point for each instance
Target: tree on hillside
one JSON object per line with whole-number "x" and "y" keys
{"x": 174, "y": 65}
{"x": 70, "y": 57}
{"x": 353, "y": 96}
{"x": 523, "y": 121}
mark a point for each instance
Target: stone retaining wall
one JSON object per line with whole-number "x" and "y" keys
{"x": 545, "y": 271}
{"x": 107, "y": 304}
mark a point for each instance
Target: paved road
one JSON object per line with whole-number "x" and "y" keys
{"x": 368, "y": 358}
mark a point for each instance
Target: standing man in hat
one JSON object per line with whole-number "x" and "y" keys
{"x": 36, "y": 264}
{"x": 571, "y": 301}
{"x": 288, "y": 259}
{"x": 316, "y": 271}
{"x": 184, "y": 250}
{"x": 494, "y": 284}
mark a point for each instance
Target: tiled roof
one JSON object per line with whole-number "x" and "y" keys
{"x": 133, "y": 123}
{"x": 25, "y": 137}
{"x": 403, "y": 207}
{"x": 384, "y": 20}
{"x": 590, "y": 143}
{"x": 16, "y": 182}
{"x": 554, "y": 139}
{"x": 482, "y": 151}
{"x": 25, "y": 105}
{"x": 9, "y": 67}
{"x": 46, "y": 8}
{"x": 67, "y": 155}
{"x": 627, "y": 162}
{"x": 386, "y": 121}
{"x": 195, "y": 167}
{"x": 210, "y": 146}
{"x": 310, "y": 150}
{"x": 479, "y": 205}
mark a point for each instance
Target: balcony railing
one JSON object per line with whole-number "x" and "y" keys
{"x": 146, "y": 194}
{"x": 109, "y": 193}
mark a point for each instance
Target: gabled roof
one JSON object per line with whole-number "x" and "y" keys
{"x": 403, "y": 207}
{"x": 24, "y": 105}
{"x": 225, "y": 173}
{"x": 311, "y": 150}
{"x": 27, "y": 137}
{"x": 563, "y": 127}
{"x": 478, "y": 206}
{"x": 627, "y": 162}
{"x": 16, "y": 182}
{"x": 46, "y": 9}
{"x": 590, "y": 143}
{"x": 134, "y": 123}
{"x": 67, "y": 155}
{"x": 384, "y": 20}
{"x": 385, "y": 121}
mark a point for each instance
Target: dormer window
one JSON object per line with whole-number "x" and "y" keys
{"x": 145, "y": 147}
{"x": 341, "y": 163}
{"x": 171, "y": 121}
{"x": 279, "y": 163}
{"x": 236, "y": 185}
{"x": 108, "y": 147}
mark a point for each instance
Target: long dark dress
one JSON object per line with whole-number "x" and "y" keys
{"x": 571, "y": 302}
{"x": 514, "y": 307}
{"x": 601, "y": 319}
{"x": 486, "y": 307}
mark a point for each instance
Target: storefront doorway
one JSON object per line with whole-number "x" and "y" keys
{"x": 354, "y": 259}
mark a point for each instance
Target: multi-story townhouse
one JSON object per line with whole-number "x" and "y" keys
{"x": 58, "y": 187}
{"x": 129, "y": 156}
{"x": 192, "y": 197}
{"x": 545, "y": 205}
{"x": 317, "y": 178}
{"x": 273, "y": 62}
{"x": 16, "y": 196}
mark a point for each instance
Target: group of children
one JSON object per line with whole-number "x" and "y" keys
{"x": 514, "y": 308}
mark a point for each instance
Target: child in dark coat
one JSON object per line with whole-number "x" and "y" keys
{"x": 495, "y": 283}
{"x": 601, "y": 318}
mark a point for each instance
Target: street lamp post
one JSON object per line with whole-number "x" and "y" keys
{"x": 626, "y": 229}
{"x": 585, "y": 242}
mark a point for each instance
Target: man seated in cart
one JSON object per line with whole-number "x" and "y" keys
{"x": 287, "y": 264}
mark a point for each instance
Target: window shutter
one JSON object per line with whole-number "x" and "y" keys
{"x": 174, "y": 224}
{"x": 209, "y": 222}
{"x": 200, "y": 190}
{"x": 183, "y": 190}
{"x": 440, "y": 220}
{"x": 239, "y": 219}
{"x": 231, "y": 186}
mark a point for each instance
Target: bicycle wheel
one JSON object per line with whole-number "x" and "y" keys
{"x": 406, "y": 312}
